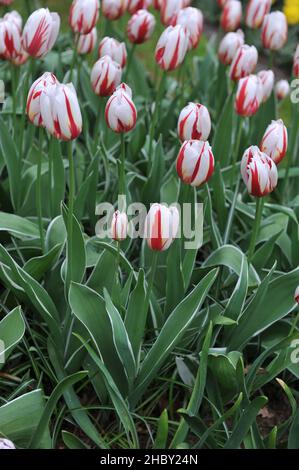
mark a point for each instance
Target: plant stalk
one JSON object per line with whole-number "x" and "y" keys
{"x": 38, "y": 190}
{"x": 256, "y": 227}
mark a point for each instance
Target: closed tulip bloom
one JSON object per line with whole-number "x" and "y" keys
{"x": 21, "y": 58}
{"x": 296, "y": 63}
{"x": 114, "y": 9}
{"x": 119, "y": 226}
{"x": 161, "y": 226}
{"x": 105, "y": 76}
{"x": 231, "y": 15}
{"x": 274, "y": 31}
{"x": 136, "y": 5}
{"x": 195, "y": 162}
{"x": 5, "y": 444}
{"x": 256, "y": 11}
{"x": 15, "y": 17}
{"x": 10, "y": 40}
{"x": 259, "y": 172}
{"x": 282, "y": 89}
{"x": 172, "y": 47}
{"x": 157, "y": 4}
{"x": 40, "y": 32}
{"x": 229, "y": 46}
{"x": 267, "y": 81}
{"x": 84, "y": 15}
{"x": 244, "y": 62}
{"x": 60, "y": 112}
{"x": 141, "y": 27}
{"x": 120, "y": 112}
{"x": 296, "y": 296}
{"x": 192, "y": 19}
{"x": 169, "y": 9}
{"x": 33, "y": 108}
{"x": 115, "y": 49}
{"x": 87, "y": 42}
{"x": 249, "y": 96}
{"x": 194, "y": 122}
{"x": 275, "y": 141}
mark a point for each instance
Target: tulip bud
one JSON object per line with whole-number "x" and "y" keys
{"x": 136, "y": 5}
{"x": 275, "y": 141}
{"x": 40, "y": 32}
{"x": 105, "y": 76}
{"x": 5, "y": 444}
{"x": 195, "y": 162}
{"x": 172, "y": 47}
{"x": 119, "y": 226}
{"x": 194, "y": 123}
{"x": 169, "y": 10}
{"x": 229, "y": 46}
{"x": 84, "y": 15}
{"x": 115, "y": 49}
{"x": 157, "y": 4}
{"x": 259, "y": 172}
{"x": 10, "y": 40}
{"x": 231, "y": 15}
{"x": 191, "y": 19}
{"x": 282, "y": 89}
{"x": 114, "y": 9}
{"x": 161, "y": 226}
{"x": 274, "y": 31}
{"x": 296, "y": 296}
{"x": 87, "y": 42}
{"x": 60, "y": 111}
{"x": 33, "y": 108}
{"x": 120, "y": 112}
{"x": 267, "y": 81}
{"x": 244, "y": 62}
{"x": 15, "y": 17}
{"x": 256, "y": 11}
{"x": 141, "y": 27}
{"x": 296, "y": 63}
{"x": 249, "y": 96}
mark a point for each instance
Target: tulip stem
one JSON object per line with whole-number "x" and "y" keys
{"x": 14, "y": 97}
{"x": 25, "y": 88}
{"x": 122, "y": 173}
{"x": 256, "y": 227}
{"x": 38, "y": 190}
{"x": 236, "y": 149}
{"x": 75, "y": 57}
{"x": 292, "y": 150}
{"x": 129, "y": 62}
{"x": 70, "y": 214}
{"x": 155, "y": 118}
{"x": 152, "y": 275}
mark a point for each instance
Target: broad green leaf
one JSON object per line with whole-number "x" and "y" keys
{"x": 72, "y": 442}
{"x": 12, "y": 329}
{"x": 13, "y": 163}
{"x": 18, "y": 226}
{"x": 162, "y": 431}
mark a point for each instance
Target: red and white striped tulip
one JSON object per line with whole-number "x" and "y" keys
{"x": 169, "y": 9}
{"x": 191, "y": 19}
{"x": 221, "y": 3}
{"x": 230, "y": 45}
{"x": 256, "y": 11}
{"x": 33, "y": 107}
{"x": 60, "y": 111}
{"x": 40, "y": 32}
{"x": 274, "y": 31}
{"x": 244, "y": 62}
{"x": 84, "y": 15}
{"x": 115, "y": 49}
{"x": 105, "y": 76}
{"x": 267, "y": 81}
{"x": 195, "y": 163}
{"x": 6, "y": 2}
{"x": 141, "y": 27}
{"x": 15, "y": 17}
{"x": 10, "y": 40}
{"x": 296, "y": 63}
{"x": 172, "y": 47}
{"x": 6, "y": 444}
{"x": 114, "y": 9}
{"x": 296, "y": 296}
{"x": 259, "y": 172}
{"x": 87, "y": 42}
{"x": 157, "y": 4}
{"x": 161, "y": 226}
{"x": 282, "y": 89}
{"x": 249, "y": 96}
{"x": 120, "y": 112}
{"x": 231, "y": 15}
{"x": 136, "y": 5}
{"x": 21, "y": 58}
{"x": 119, "y": 226}
{"x": 194, "y": 123}
{"x": 275, "y": 141}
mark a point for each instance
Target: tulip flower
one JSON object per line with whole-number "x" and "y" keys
{"x": 21, "y": 58}
{"x": 157, "y": 4}
{"x": 5, "y": 444}
{"x": 87, "y": 42}
{"x": 120, "y": 112}
{"x": 229, "y": 46}
{"x": 192, "y": 19}
{"x": 33, "y": 108}
{"x": 267, "y": 80}
{"x": 195, "y": 162}
{"x": 169, "y": 9}
{"x": 221, "y": 3}
{"x": 256, "y": 11}
{"x": 282, "y": 89}
{"x": 15, "y": 17}
{"x": 296, "y": 63}
{"x": 296, "y": 296}
{"x": 249, "y": 96}
{"x": 115, "y": 49}
{"x": 194, "y": 123}
{"x": 259, "y": 172}
{"x": 6, "y": 2}
{"x": 231, "y": 15}
{"x": 141, "y": 27}
{"x": 136, "y": 5}
{"x": 40, "y": 32}
{"x": 275, "y": 141}
{"x": 274, "y": 31}
{"x": 84, "y": 15}
{"x": 114, "y": 9}
{"x": 172, "y": 47}
{"x": 244, "y": 62}
{"x": 105, "y": 76}
{"x": 161, "y": 226}
{"x": 119, "y": 226}
{"x": 10, "y": 40}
